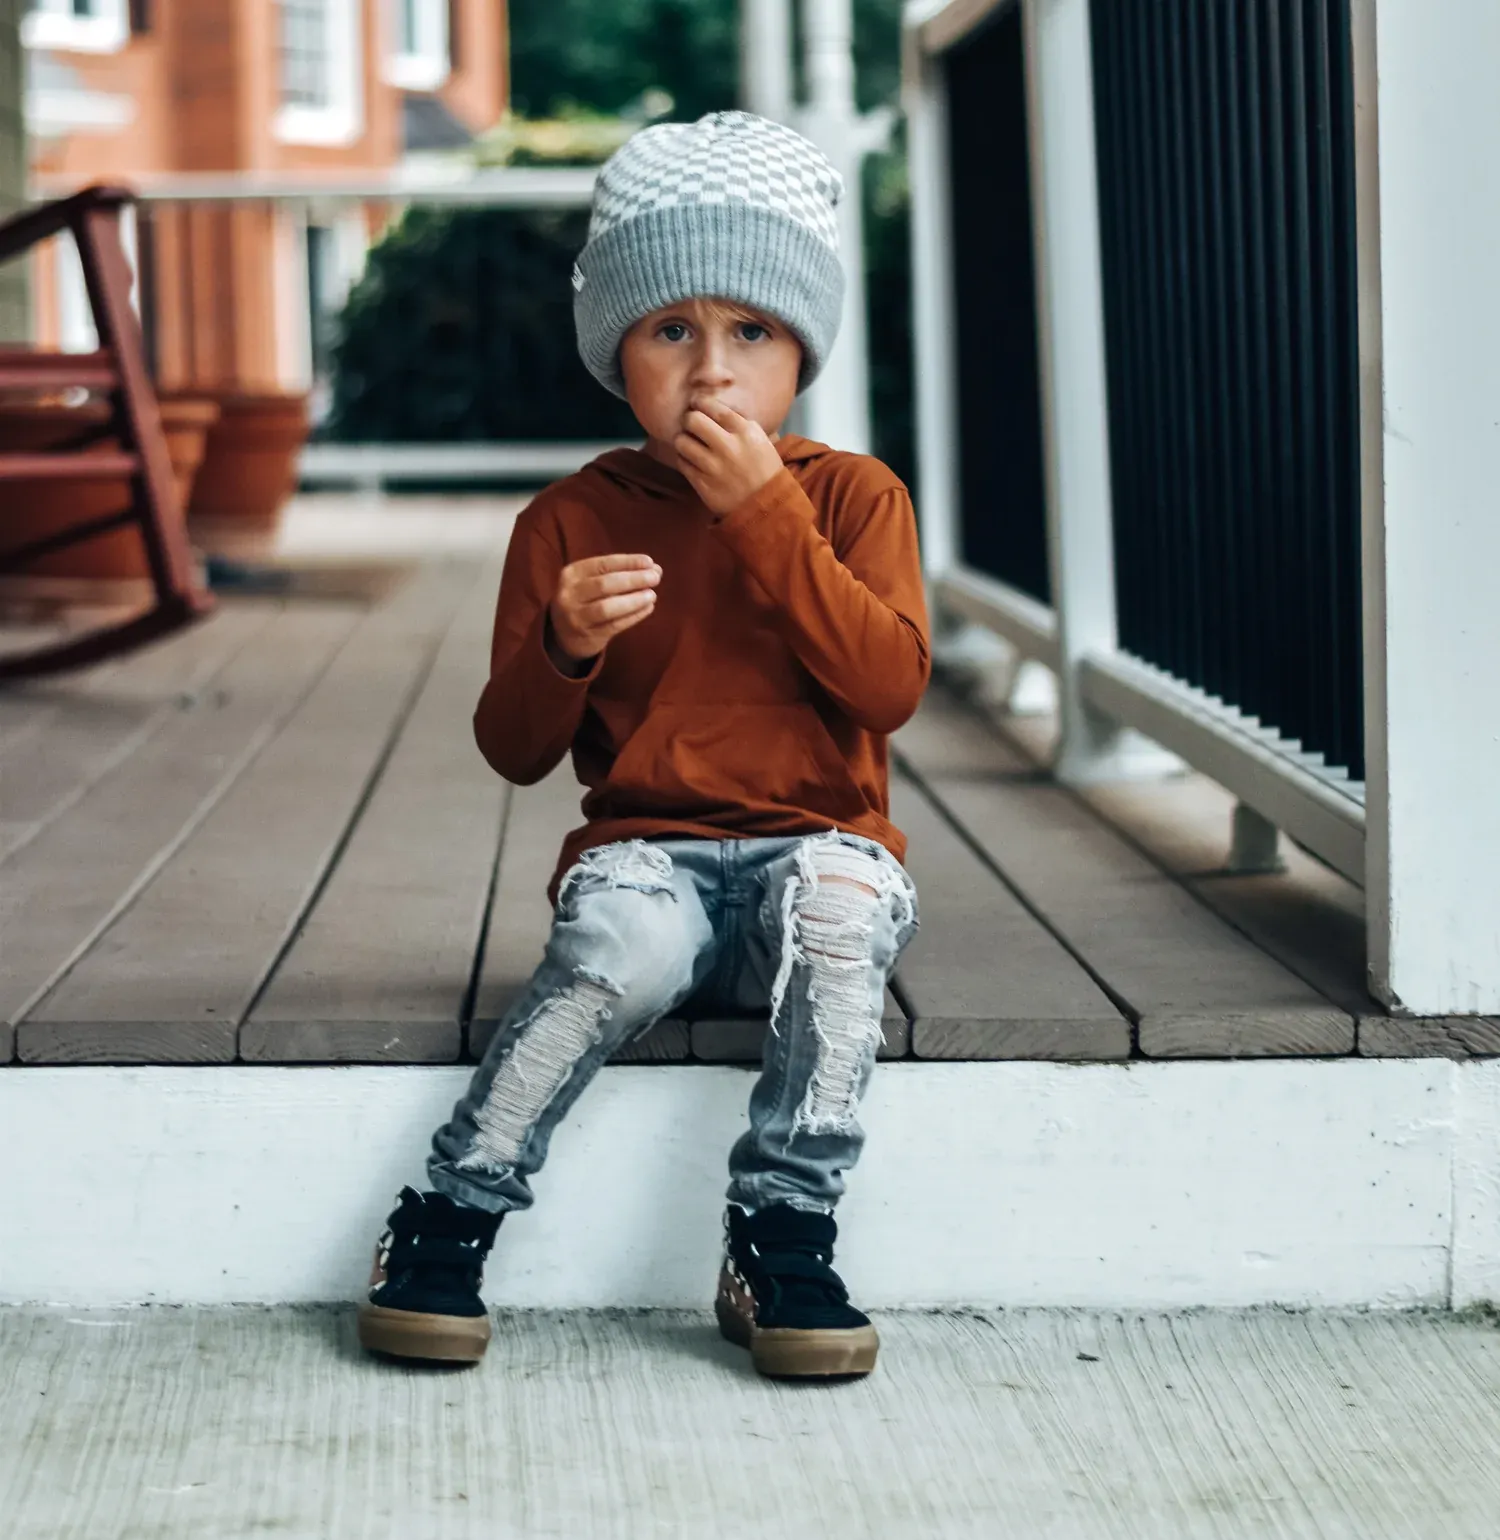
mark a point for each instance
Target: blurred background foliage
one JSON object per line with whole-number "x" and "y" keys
{"x": 607, "y": 54}
{"x": 461, "y": 327}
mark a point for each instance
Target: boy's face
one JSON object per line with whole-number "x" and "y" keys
{"x": 702, "y": 349}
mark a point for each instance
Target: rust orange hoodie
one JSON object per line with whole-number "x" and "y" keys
{"x": 789, "y": 638}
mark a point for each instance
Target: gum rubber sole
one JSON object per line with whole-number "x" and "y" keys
{"x": 783, "y": 1353}
{"x": 447, "y": 1339}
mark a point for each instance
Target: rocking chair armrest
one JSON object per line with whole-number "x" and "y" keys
{"x": 41, "y": 222}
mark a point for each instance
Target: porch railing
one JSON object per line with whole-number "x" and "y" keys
{"x": 1226, "y": 177}
{"x": 299, "y": 207}
{"x": 1136, "y": 273}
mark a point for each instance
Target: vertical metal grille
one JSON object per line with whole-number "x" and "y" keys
{"x": 1226, "y": 174}
{"x": 1003, "y": 512}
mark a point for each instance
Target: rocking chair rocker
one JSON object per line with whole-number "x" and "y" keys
{"x": 118, "y": 371}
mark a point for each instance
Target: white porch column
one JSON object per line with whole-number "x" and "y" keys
{"x": 924, "y": 98}
{"x": 1432, "y": 541}
{"x": 837, "y": 408}
{"x": 1075, "y": 415}
{"x": 766, "y": 58}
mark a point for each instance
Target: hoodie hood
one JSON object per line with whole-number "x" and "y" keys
{"x": 634, "y": 471}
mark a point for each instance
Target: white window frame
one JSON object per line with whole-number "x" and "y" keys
{"x": 430, "y": 64}
{"x": 342, "y": 119}
{"x": 52, "y": 24}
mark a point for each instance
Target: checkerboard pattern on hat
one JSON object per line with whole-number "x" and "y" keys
{"x": 727, "y": 156}
{"x": 731, "y": 207}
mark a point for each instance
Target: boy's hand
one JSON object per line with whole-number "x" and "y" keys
{"x": 725, "y": 457}
{"x": 596, "y": 599}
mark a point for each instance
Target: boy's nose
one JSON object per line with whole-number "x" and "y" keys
{"x": 711, "y": 367}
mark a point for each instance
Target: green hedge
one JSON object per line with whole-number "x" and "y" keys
{"x": 461, "y": 329}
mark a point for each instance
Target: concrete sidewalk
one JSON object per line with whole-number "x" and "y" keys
{"x": 227, "y": 1424}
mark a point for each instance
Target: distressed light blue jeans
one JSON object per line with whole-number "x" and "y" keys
{"x": 804, "y": 929}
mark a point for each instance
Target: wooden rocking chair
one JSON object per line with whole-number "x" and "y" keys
{"x": 118, "y": 371}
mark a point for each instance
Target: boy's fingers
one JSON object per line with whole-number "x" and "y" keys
{"x": 597, "y": 566}
{"x": 624, "y": 623}
{"x": 602, "y": 611}
{"x": 725, "y": 416}
{"x": 606, "y": 583}
{"x": 694, "y": 451}
{"x": 699, "y": 424}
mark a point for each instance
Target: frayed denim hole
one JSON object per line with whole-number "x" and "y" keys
{"x": 636, "y": 865}
{"x": 828, "y": 928}
{"x": 561, "y": 1031}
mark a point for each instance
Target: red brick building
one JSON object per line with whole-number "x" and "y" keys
{"x": 140, "y": 89}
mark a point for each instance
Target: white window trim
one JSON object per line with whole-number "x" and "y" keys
{"x": 53, "y": 25}
{"x": 50, "y": 112}
{"x": 342, "y": 121}
{"x": 431, "y": 64}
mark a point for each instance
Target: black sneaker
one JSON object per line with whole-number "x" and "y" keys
{"x": 424, "y": 1290}
{"x": 780, "y": 1297}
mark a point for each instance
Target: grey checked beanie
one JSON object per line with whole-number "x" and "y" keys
{"x": 732, "y": 207}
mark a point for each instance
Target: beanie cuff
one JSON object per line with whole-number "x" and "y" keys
{"x": 733, "y": 251}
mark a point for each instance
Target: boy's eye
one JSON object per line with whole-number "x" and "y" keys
{"x": 753, "y": 331}
{"x": 674, "y": 331}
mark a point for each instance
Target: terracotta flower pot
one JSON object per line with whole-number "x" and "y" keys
{"x": 249, "y": 467}
{"x": 35, "y": 509}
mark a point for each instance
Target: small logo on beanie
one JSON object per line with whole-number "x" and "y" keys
{"x": 578, "y": 279}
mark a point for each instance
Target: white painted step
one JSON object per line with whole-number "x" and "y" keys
{"x": 1331, "y": 1183}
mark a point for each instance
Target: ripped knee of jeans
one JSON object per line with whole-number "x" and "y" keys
{"x": 829, "y": 910}
{"x": 562, "y": 1030}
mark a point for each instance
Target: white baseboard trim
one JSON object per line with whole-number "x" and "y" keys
{"x": 1310, "y": 1183}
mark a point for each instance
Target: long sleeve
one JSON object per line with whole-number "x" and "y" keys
{"x": 529, "y": 711}
{"x": 856, "y": 617}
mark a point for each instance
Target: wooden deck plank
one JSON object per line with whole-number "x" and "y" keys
{"x": 30, "y": 706}
{"x": 381, "y": 969}
{"x": 60, "y": 893}
{"x": 521, "y": 918}
{"x": 984, "y": 978}
{"x": 1429, "y": 1037}
{"x": 1307, "y": 917}
{"x": 172, "y": 979}
{"x": 68, "y": 733}
{"x": 1196, "y": 986}
{"x": 1310, "y": 919}
{"x": 948, "y": 738}
{"x": 26, "y": 706}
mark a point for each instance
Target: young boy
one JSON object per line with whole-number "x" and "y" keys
{"x": 722, "y": 627}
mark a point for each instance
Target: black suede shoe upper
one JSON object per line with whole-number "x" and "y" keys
{"x": 785, "y": 1256}
{"x": 433, "y": 1253}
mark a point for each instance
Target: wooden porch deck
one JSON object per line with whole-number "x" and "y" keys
{"x": 271, "y": 840}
